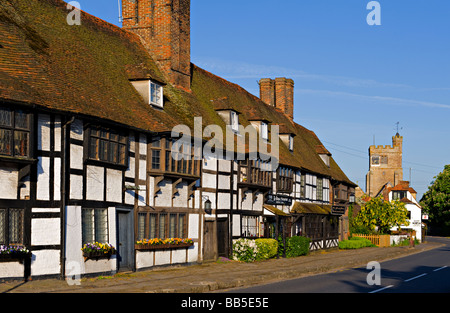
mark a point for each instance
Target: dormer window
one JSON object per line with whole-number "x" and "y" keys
{"x": 156, "y": 94}
{"x": 151, "y": 91}
{"x": 264, "y": 131}
{"x": 234, "y": 121}
{"x": 291, "y": 143}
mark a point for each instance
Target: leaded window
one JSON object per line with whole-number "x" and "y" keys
{"x": 108, "y": 146}
{"x": 95, "y": 225}
{"x": 11, "y": 226}
{"x": 14, "y": 133}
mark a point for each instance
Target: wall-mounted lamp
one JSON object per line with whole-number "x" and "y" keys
{"x": 208, "y": 209}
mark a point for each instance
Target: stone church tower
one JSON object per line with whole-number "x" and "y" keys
{"x": 385, "y": 166}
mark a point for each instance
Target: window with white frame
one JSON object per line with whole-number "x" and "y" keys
{"x": 250, "y": 226}
{"x": 156, "y": 94}
{"x": 234, "y": 121}
{"x": 291, "y": 143}
{"x": 264, "y": 131}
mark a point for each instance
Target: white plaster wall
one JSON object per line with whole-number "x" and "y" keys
{"x": 180, "y": 199}
{"x": 193, "y": 226}
{"x": 76, "y": 157}
{"x": 57, "y": 179}
{"x": 11, "y": 270}
{"x": 45, "y": 231}
{"x": 76, "y": 187}
{"x": 43, "y": 179}
{"x": 193, "y": 254}
{"x": 9, "y": 178}
{"x": 114, "y": 185}
{"x": 224, "y": 200}
{"x": 224, "y": 182}
{"x": 43, "y": 132}
{"x": 58, "y": 128}
{"x": 74, "y": 255}
{"x": 179, "y": 256}
{"x": 144, "y": 259}
{"x": 162, "y": 258}
{"x": 45, "y": 262}
{"x": 209, "y": 180}
{"x": 236, "y": 225}
{"x": 164, "y": 196}
{"x": 130, "y": 172}
{"x": 95, "y": 183}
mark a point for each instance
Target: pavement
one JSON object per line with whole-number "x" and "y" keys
{"x": 220, "y": 276}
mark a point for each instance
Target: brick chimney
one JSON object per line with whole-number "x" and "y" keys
{"x": 278, "y": 92}
{"x": 164, "y": 28}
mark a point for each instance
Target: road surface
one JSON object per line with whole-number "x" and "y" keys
{"x": 426, "y": 272}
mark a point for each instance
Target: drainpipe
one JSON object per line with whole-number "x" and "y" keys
{"x": 64, "y": 170}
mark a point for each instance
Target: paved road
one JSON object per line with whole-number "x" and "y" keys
{"x": 426, "y": 272}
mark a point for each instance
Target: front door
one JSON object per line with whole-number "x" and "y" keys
{"x": 125, "y": 241}
{"x": 223, "y": 237}
{"x": 210, "y": 242}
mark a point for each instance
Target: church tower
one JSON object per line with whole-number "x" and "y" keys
{"x": 385, "y": 166}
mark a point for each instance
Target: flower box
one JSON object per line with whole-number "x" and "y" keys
{"x": 14, "y": 254}
{"x": 163, "y": 246}
{"x": 96, "y": 251}
{"x": 97, "y": 255}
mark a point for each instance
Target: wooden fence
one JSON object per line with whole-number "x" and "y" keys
{"x": 378, "y": 240}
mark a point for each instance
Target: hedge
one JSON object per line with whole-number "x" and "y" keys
{"x": 267, "y": 248}
{"x": 355, "y": 243}
{"x": 297, "y": 246}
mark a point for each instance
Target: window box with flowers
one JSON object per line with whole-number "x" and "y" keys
{"x": 96, "y": 251}
{"x": 14, "y": 253}
{"x": 164, "y": 244}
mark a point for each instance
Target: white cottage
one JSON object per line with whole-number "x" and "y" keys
{"x": 406, "y": 194}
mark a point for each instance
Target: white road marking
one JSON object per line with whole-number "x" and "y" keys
{"x": 381, "y": 289}
{"x": 408, "y": 280}
{"x": 436, "y": 270}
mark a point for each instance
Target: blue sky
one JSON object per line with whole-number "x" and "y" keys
{"x": 353, "y": 82}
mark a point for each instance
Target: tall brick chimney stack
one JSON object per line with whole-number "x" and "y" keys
{"x": 278, "y": 92}
{"x": 164, "y": 27}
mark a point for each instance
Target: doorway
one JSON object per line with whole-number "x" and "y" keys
{"x": 223, "y": 237}
{"x": 125, "y": 237}
{"x": 210, "y": 241}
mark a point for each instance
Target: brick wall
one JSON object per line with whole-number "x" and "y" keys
{"x": 278, "y": 92}
{"x": 164, "y": 27}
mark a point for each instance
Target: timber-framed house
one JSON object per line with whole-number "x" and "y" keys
{"x": 86, "y": 147}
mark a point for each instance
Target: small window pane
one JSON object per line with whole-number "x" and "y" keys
{"x": 101, "y": 225}
{"x": 15, "y": 226}
{"x": 152, "y": 226}
{"x": 142, "y": 219}
{"x": 3, "y": 226}
{"x": 5, "y": 142}
{"x": 172, "y": 225}
{"x": 5, "y": 117}
{"x": 20, "y": 143}
{"x": 162, "y": 226}
{"x": 21, "y": 120}
{"x": 156, "y": 159}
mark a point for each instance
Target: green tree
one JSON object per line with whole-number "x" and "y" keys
{"x": 436, "y": 203}
{"x": 381, "y": 214}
